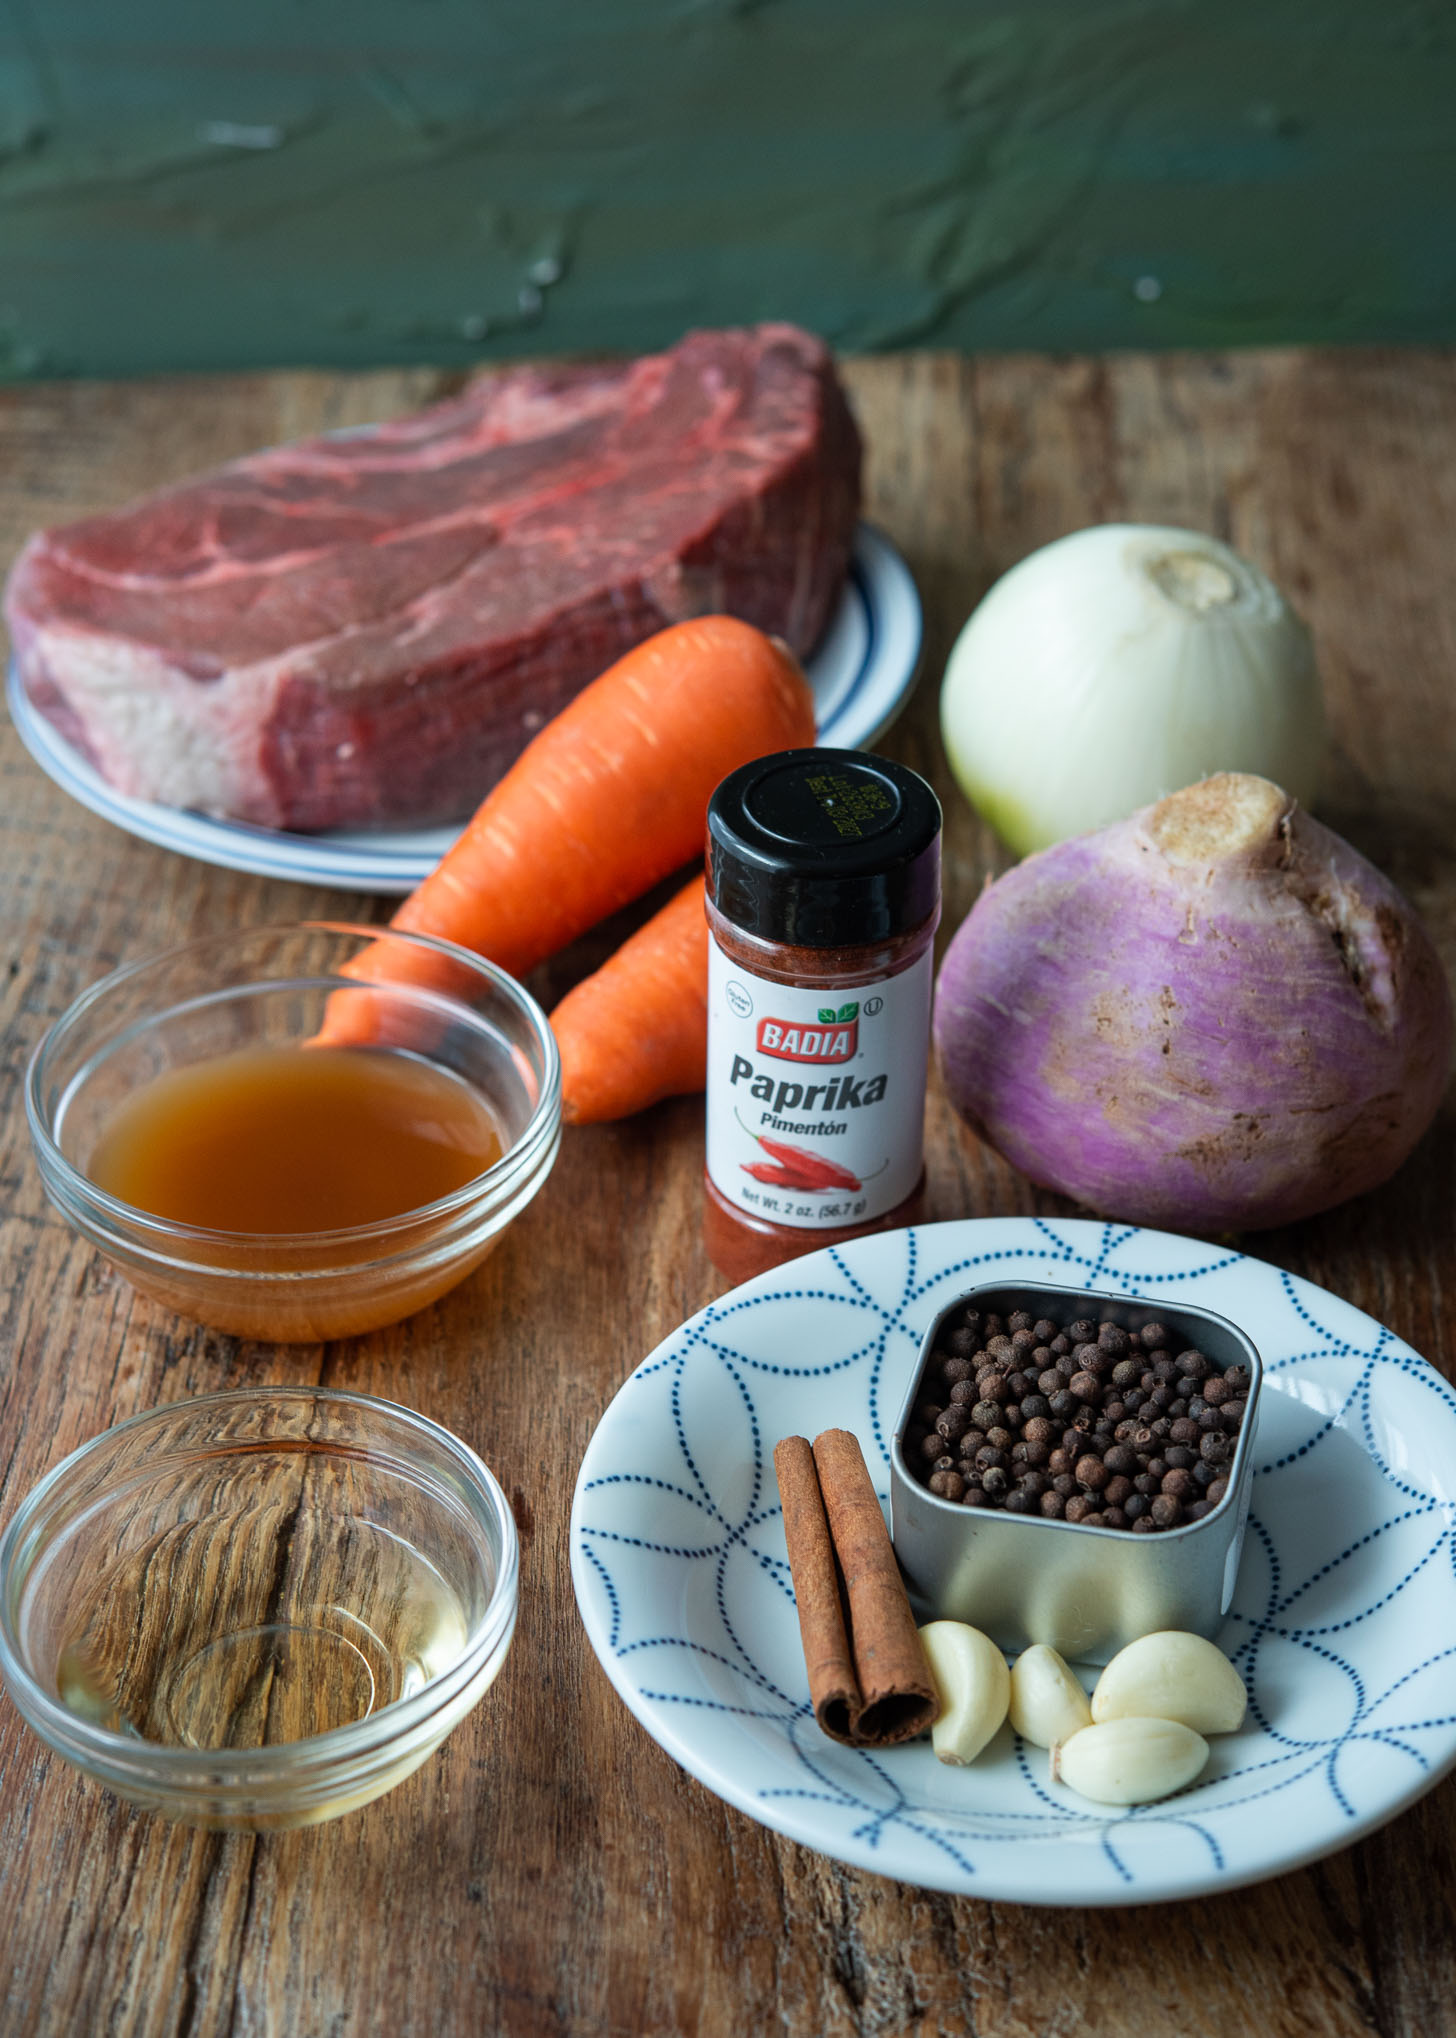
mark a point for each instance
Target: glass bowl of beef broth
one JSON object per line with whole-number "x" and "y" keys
{"x": 258, "y": 1609}
{"x": 297, "y": 1133}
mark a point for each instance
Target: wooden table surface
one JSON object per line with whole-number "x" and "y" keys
{"x": 551, "y": 1870}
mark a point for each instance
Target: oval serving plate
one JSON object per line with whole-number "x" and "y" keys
{"x": 861, "y": 672}
{"x": 1343, "y": 1622}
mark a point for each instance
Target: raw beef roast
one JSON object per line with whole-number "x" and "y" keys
{"x": 368, "y": 627}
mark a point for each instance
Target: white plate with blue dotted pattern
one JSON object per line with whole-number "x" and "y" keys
{"x": 862, "y": 671}
{"x": 1343, "y": 1621}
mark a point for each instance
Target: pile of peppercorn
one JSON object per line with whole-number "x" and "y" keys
{"x": 1092, "y": 1423}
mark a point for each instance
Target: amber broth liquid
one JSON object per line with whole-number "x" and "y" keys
{"x": 275, "y": 1141}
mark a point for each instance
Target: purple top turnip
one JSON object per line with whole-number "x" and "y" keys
{"x": 1213, "y": 1016}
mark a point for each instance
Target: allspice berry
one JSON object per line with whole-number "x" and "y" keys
{"x": 1092, "y": 1423}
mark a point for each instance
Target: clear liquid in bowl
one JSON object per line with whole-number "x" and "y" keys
{"x": 259, "y": 1625}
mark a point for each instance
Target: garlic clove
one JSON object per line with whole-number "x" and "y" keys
{"x": 1129, "y": 1761}
{"x": 1172, "y": 1676}
{"x": 972, "y": 1684}
{"x": 1047, "y": 1703}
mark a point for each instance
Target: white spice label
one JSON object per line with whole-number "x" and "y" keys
{"x": 816, "y": 1098}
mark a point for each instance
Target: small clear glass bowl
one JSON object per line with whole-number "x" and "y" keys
{"x": 260, "y": 1608}
{"x": 279, "y": 986}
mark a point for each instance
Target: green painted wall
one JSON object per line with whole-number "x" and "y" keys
{"x": 188, "y": 184}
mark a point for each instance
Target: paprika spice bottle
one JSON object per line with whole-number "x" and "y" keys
{"x": 823, "y": 888}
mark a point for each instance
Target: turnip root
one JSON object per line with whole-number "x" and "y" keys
{"x": 1213, "y": 1016}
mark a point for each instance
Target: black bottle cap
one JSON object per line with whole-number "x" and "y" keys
{"x": 824, "y": 849}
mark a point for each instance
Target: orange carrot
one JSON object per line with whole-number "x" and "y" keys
{"x": 608, "y": 799}
{"x": 638, "y": 1029}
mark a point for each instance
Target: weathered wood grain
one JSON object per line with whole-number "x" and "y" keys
{"x": 552, "y": 1872}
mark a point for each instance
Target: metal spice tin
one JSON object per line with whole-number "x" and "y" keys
{"x": 1085, "y": 1591}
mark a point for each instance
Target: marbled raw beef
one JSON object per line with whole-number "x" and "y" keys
{"x": 367, "y": 628}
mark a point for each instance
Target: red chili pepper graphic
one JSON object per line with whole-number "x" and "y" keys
{"x": 782, "y": 1178}
{"x": 815, "y": 1171}
{"x": 798, "y": 1167}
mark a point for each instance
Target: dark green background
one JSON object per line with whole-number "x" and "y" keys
{"x": 190, "y": 185}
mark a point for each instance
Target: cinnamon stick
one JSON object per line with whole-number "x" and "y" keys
{"x": 868, "y": 1679}
{"x": 833, "y": 1687}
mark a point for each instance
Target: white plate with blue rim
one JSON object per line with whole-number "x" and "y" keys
{"x": 861, "y": 673}
{"x": 1343, "y": 1621}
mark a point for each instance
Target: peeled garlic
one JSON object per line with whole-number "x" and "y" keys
{"x": 1047, "y": 1703}
{"x": 1172, "y": 1676}
{"x": 1129, "y": 1761}
{"x": 972, "y": 1684}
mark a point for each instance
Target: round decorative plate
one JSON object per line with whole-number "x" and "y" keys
{"x": 1343, "y": 1622}
{"x": 861, "y": 672}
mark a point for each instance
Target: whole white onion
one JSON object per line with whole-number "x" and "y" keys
{"x": 1213, "y": 1016}
{"x": 1117, "y": 664}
